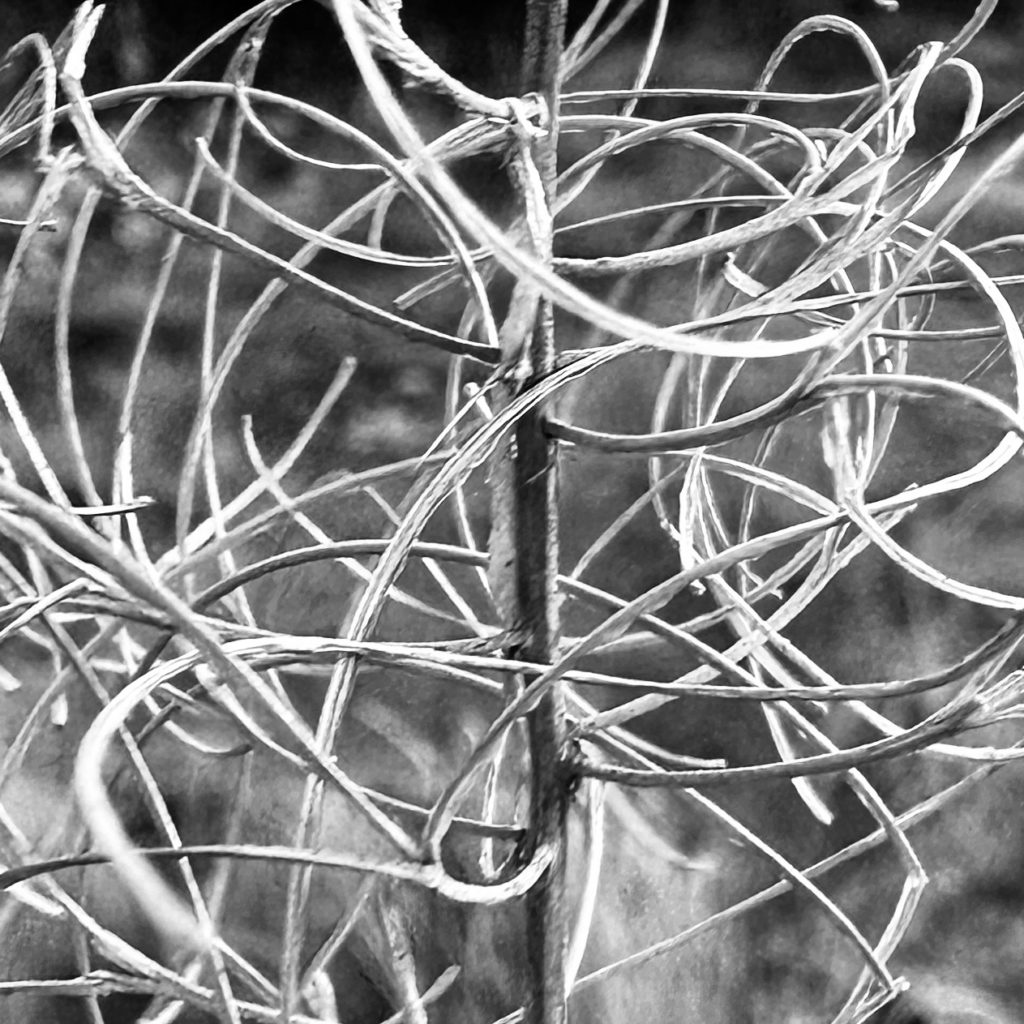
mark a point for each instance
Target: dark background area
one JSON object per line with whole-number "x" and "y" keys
{"x": 479, "y": 43}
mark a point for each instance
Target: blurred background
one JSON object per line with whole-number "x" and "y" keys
{"x": 968, "y": 947}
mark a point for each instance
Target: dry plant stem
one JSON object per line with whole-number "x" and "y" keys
{"x": 843, "y": 206}
{"x": 534, "y": 558}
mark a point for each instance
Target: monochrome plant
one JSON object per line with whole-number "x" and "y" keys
{"x": 782, "y": 300}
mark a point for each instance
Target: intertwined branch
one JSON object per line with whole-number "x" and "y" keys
{"x": 805, "y": 271}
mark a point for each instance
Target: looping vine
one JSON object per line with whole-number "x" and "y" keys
{"x": 771, "y": 289}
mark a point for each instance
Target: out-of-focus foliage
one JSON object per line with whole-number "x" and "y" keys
{"x": 264, "y": 354}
